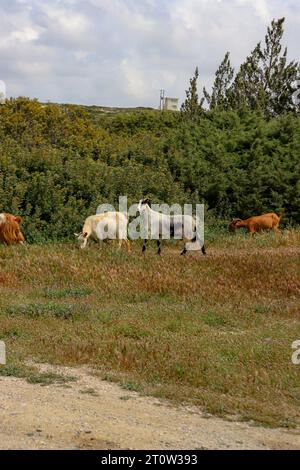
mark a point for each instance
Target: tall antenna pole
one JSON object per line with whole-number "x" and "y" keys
{"x": 161, "y": 99}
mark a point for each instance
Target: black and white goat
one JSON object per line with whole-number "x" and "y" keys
{"x": 159, "y": 225}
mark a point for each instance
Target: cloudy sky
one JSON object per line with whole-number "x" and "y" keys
{"x": 121, "y": 52}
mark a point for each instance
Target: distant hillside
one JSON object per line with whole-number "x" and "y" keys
{"x": 96, "y": 113}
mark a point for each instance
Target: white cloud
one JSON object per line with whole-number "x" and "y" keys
{"x": 134, "y": 82}
{"x": 25, "y": 35}
{"x": 261, "y": 8}
{"x": 65, "y": 20}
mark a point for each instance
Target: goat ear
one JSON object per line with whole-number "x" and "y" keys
{"x": 18, "y": 219}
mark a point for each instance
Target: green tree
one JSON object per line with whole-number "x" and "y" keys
{"x": 247, "y": 88}
{"x": 266, "y": 81}
{"x": 192, "y": 108}
{"x": 279, "y": 75}
{"x": 223, "y": 80}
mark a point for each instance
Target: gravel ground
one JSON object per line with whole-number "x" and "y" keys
{"x": 95, "y": 414}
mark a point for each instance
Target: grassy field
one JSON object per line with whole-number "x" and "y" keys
{"x": 211, "y": 331}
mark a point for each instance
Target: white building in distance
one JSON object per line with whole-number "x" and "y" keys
{"x": 170, "y": 104}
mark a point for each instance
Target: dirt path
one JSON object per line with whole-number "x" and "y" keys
{"x": 94, "y": 414}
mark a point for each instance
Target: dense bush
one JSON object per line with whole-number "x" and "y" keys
{"x": 57, "y": 163}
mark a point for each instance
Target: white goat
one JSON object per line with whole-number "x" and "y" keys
{"x": 159, "y": 225}
{"x": 111, "y": 225}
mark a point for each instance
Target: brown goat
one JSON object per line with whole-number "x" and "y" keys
{"x": 257, "y": 223}
{"x": 10, "y": 229}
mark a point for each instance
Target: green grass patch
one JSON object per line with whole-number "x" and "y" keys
{"x": 35, "y": 310}
{"x": 32, "y": 376}
{"x": 214, "y": 319}
{"x": 58, "y": 293}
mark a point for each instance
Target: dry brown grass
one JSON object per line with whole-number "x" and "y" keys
{"x": 215, "y": 331}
